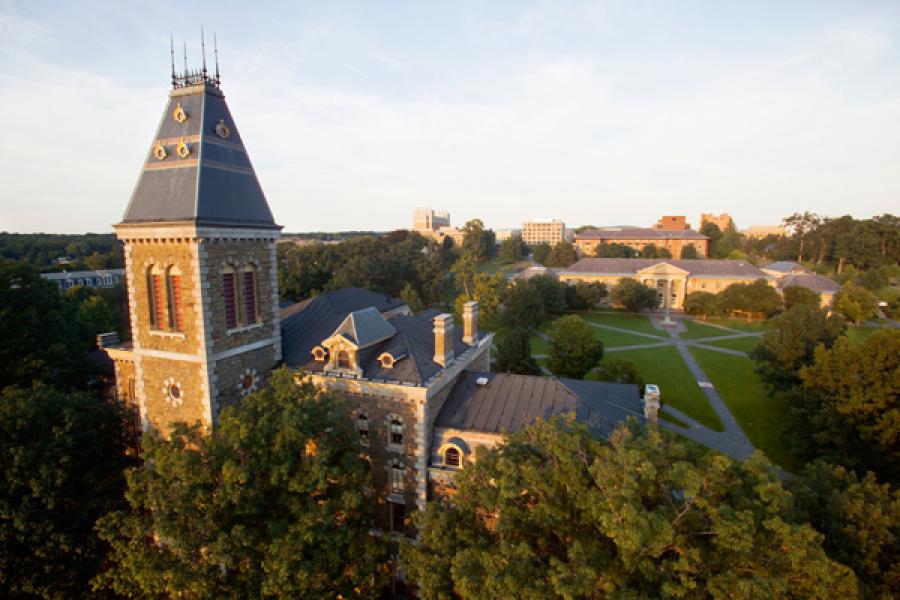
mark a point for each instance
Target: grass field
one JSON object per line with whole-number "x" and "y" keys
{"x": 672, "y": 419}
{"x": 737, "y": 324}
{"x": 745, "y": 344}
{"x": 761, "y": 417}
{"x": 860, "y": 334}
{"x": 617, "y": 339}
{"x": 639, "y": 323}
{"x": 699, "y": 329}
{"x": 665, "y": 368}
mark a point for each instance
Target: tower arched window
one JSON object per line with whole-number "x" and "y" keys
{"x": 229, "y": 294}
{"x": 157, "y": 297}
{"x": 175, "y": 299}
{"x": 250, "y": 296}
{"x": 343, "y": 359}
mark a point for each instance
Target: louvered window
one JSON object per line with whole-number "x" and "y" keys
{"x": 176, "y": 309}
{"x": 250, "y": 312}
{"x": 451, "y": 457}
{"x": 229, "y": 291}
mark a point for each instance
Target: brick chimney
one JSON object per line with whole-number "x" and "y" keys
{"x": 443, "y": 339}
{"x": 651, "y": 403}
{"x": 470, "y": 323}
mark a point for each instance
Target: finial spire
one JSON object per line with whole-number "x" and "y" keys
{"x": 203, "y": 50}
{"x": 216, "y": 53}
{"x": 172, "y": 51}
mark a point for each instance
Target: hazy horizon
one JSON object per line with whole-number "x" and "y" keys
{"x": 354, "y": 113}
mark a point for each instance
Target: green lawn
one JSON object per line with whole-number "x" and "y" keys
{"x": 744, "y": 344}
{"x": 761, "y": 417}
{"x": 538, "y": 345}
{"x": 617, "y": 339}
{"x": 673, "y": 419}
{"x": 664, "y": 367}
{"x": 639, "y": 323}
{"x": 739, "y": 324}
{"x": 860, "y": 334}
{"x": 698, "y": 329}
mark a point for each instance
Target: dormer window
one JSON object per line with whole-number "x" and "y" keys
{"x": 319, "y": 354}
{"x": 343, "y": 359}
{"x": 387, "y": 361}
{"x": 452, "y": 458}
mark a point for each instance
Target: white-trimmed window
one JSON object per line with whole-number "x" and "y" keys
{"x": 396, "y": 434}
{"x": 319, "y": 354}
{"x": 396, "y": 477}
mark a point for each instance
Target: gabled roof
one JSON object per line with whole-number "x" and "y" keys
{"x": 305, "y": 324}
{"x": 639, "y": 234}
{"x": 197, "y": 169}
{"x": 810, "y": 281}
{"x": 365, "y": 327}
{"x": 786, "y": 266}
{"x": 509, "y": 402}
{"x": 696, "y": 267}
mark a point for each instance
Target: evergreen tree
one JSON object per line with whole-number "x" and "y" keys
{"x": 272, "y": 503}
{"x": 514, "y": 354}
{"x": 572, "y": 350}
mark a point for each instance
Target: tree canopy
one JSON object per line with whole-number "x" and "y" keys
{"x": 757, "y": 298}
{"x": 478, "y": 241}
{"x": 795, "y": 295}
{"x": 855, "y": 303}
{"x": 514, "y": 353}
{"x": 512, "y": 249}
{"x": 541, "y": 252}
{"x": 556, "y": 513}
{"x": 561, "y": 255}
{"x": 63, "y": 462}
{"x": 272, "y": 503}
{"x": 572, "y": 348}
{"x": 633, "y": 295}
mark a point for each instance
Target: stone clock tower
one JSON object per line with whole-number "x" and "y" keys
{"x": 200, "y": 265}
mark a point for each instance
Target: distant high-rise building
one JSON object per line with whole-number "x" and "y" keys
{"x": 543, "y": 231}
{"x": 428, "y": 219}
{"x": 761, "y": 231}
{"x": 722, "y": 221}
{"x": 672, "y": 222}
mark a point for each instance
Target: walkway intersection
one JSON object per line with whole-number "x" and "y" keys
{"x": 732, "y": 440}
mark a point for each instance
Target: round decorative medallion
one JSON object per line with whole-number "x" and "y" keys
{"x": 248, "y": 382}
{"x": 172, "y": 392}
{"x": 183, "y": 149}
{"x": 222, "y": 129}
{"x": 179, "y": 115}
{"x": 159, "y": 151}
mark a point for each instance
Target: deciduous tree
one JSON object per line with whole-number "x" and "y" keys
{"x": 512, "y": 249}
{"x": 272, "y": 503}
{"x": 556, "y": 513}
{"x": 63, "y": 467}
{"x": 561, "y": 255}
{"x": 590, "y": 293}
{"x": 617, "y": 370}
{"x": 541, "y": 252}
{"x": 704, "y": 304}
{"x": 795, "y": 295}
{"x": 855, "y": 303}
{"x": 633, "y": 295}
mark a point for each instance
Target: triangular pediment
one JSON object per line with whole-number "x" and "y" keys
{"x": 662, "y": 268}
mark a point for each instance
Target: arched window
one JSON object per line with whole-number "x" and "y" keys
{"x": 319, "y": 353}
{"x": 229, "y": 294}
{"x": 249, "y": 292}
{"x": 157, "y": 299}
{"x": 396, "y": 431}
{"x": 175, "y": 293}
{"x": 343, "y": 359}
{"x": 362, "y": 426}
{"x": 452, "y": 458}
{"x": 397, "y": 477}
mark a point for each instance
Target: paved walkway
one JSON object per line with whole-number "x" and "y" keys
{"x": 732, "y": 440}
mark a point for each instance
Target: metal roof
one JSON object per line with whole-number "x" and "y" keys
{"x": 810, "y": 281}
{"x": 197, "y": 169}
{"x": 509, "y": 402}
{"x": 786, "y": 266}
{"x": 365, "y": 327}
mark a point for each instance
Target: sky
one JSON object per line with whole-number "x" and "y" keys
{"x": 355, "y": 113}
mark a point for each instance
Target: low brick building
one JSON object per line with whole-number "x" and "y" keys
{"x": 674, "y": 240}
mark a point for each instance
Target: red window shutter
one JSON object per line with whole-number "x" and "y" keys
{"x": 250, "y": 296}
{"x": 159, "y": 300}
{"x": 228, "y": 290}
{"x": 177, "y": 309}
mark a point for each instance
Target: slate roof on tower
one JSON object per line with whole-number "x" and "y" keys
{"x": 197, "y": 169}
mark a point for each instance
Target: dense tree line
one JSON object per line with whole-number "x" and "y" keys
{"x": 384, "y": 264}
{"x": 83, "y": 252}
